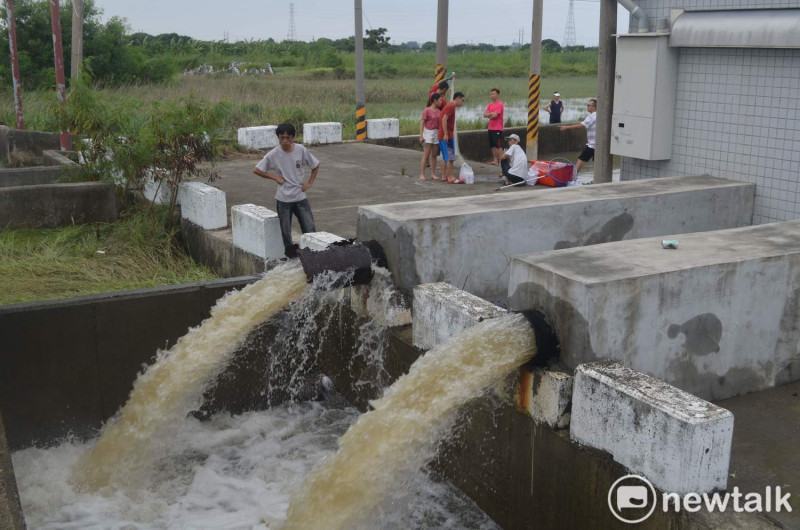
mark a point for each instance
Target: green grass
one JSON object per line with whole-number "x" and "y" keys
{"x": 134, "y": 252}
{"x": 271, "y": 99}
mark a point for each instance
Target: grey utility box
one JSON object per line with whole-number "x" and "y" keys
{"x": 644, "y": 96}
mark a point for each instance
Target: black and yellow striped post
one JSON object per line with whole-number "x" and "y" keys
{"x": 439, "y": 74}
{"x": 532, "y": 139}
{"x": 361, "y": 122}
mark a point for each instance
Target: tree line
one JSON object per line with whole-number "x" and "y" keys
{"x": 113, "y": 55}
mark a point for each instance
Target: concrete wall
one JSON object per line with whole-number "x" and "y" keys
{"x": 215, "y": 249}
{"x": 717, "y": 317}
{"x": 737, "y": 115}
{"x": 51, "y": 205}
{"x": 11, "y": 517}
{"x": 32, "y": 176}
{"x": 26, "y": 147}
{"x": 474, "y": 145}
{"x": 468, "y": 242}
{"x": 66, "y": 366}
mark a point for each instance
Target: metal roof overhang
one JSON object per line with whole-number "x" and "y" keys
{"x": 747, "y": 28}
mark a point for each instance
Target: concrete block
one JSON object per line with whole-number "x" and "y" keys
{"x": 203, "y": 205}
{"x": 262, "y": 137}
{"x": 546, "y": 396}
{"x": 677, "y": 441}
{"x": 441, "y": 312}
{"x": 318, "y": 240}
{"x": 717, "y": 317}
{"x": 322, "y": 133}
{"x": 257, "y": 230}
{"x": 469, "y": 241}
{"x": 156, "y": 192}
{"x": 383, "y": 128}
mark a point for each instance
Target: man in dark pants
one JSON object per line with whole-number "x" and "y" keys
{"x": 284, "y": 164}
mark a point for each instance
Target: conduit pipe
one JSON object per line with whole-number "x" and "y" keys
{"x": 637, "y": 13}
{"x": 343, "y": 256}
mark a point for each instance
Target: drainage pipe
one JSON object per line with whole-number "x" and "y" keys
{"x": 637, "y": 13}
{"x": 341, "y": 257}
{"x": 547, "y": 346}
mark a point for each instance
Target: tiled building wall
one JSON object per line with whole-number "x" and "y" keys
{"x": 737, "y": 116}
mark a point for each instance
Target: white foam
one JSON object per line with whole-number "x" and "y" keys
{"x": 225, "y": 473}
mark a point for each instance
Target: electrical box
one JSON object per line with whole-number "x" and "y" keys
{"x": 644, "y": 96}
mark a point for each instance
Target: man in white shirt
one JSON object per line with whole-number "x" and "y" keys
{"x": 514, "y": 161}
{"x": 588, "y": 124}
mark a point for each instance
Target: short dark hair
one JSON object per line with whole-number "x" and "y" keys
{"x": 434, "y": 97}
{"x": 458, "y": 95}
{"x": 444, "y": 85}
{"x": 285, "y": 128}
{"x": 593, "y": 102}
{"x": 494, "y": 90}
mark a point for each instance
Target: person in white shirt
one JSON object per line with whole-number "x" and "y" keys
{"x": 588, "y": 124}
{"x": 514, "y": 161}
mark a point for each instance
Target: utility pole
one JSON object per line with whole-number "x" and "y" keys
{"x": 12, "y": 44}
{"x": 441, "y": 42}
{"x": 534, "y": 83}
{"x": 76, "y": 58}
{"x": 58, "y": 57}
{"x": 361, "y": 107}
{"x": 606, "y": 67}
{"x": 292, "y": 30}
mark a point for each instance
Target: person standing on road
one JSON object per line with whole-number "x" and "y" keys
{"x": 429, "y": 136}
{"x": 494, "y": 111}
{"x": 446, "y": 133}
{"x": 284, "y": 164}
{"x": 555, "y": 108}
{"x": 590, "y": 125}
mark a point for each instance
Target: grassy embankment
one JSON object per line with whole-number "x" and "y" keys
{"x": 134, "y": 252}
{"x": 397, "y": 86}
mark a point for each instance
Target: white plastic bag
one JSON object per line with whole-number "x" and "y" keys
{"x": 466, "y": 174}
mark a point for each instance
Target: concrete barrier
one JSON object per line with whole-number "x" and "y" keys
{"x": 318, "y": 240}
{"x": 469, "y": 241}
{"x": 473, "y": 144}
{"x": 257, "y": 230}
{"x": 442, "y": 312}
{"x": 24, "y": 147}
{"x": 53, "y": 205}
{"x": 203, "y": 205}
{"x": 677, "y": 441}
{"x": 157, "y": 192}
{"x": 717, "y": 317}
{"x": 322, "y": 133}
{"x": 383, "y": 128}
{"x": 262, "y": 137}
{"x": 545, "y": 395}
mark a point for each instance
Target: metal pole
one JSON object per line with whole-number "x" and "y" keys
{"x": 58, "y": 56}
{"x": 12, "y": 44}
{"x": 606, "y": 66}
{"x": 77, "y": 39}
{"x": 361, "y": 107}
{"x": 441, "y": 42}
{"x": 534, "y": 83}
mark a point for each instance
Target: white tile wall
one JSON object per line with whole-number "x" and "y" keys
{"x": 737, "y": 116}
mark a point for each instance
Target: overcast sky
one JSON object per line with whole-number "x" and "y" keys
{"x": 407, "y": 20}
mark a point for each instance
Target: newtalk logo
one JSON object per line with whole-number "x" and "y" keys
{"x": 632, "y": 499}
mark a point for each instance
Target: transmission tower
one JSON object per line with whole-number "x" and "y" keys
{"x": 569, "y": 33}
{"x": 292, "y": 32}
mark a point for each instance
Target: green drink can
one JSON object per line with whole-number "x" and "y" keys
{"x": 669, "y": 243}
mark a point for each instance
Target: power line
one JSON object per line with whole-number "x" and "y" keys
{"x": 569, "y": 33}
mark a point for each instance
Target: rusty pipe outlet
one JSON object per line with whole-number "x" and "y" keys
{"x": 547, "y": 345}
{"x": 343, "y": 256}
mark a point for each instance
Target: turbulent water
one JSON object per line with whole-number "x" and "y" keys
{"x": 225, "y": 473}
{"x": 155, "y": 467}
{"x": 390, "y": 443}
{"x": 168, "y": 390}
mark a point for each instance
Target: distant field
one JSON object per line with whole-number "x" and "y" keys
{"x": 298, "y": 98}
